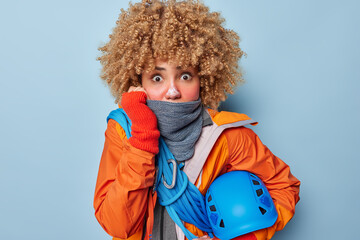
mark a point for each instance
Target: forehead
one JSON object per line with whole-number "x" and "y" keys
{"x": 164, "y": 64}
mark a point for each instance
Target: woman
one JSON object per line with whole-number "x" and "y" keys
{"x": 165, "y": 63}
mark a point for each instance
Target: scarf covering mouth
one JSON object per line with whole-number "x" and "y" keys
{"x": 180, "y": 125}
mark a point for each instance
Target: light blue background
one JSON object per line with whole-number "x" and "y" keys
{"x": 302, "y": 74}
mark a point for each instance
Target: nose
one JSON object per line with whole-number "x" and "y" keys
{"x": 172, "y": 93}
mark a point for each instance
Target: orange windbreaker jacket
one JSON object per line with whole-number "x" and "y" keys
{"x": 124, "y": 200}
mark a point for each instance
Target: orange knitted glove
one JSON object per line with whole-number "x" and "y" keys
{"x": 145, "y": 135}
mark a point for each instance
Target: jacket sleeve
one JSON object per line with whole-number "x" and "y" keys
{"x": 247, "y": 152}
{"x": 124, "y": 178}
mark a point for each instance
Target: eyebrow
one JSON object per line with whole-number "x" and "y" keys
{"x": 159, "y": 68}
{"x": 162, "y": 69}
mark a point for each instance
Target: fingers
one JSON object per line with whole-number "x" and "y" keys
{"x": 136, "y": 89}
{"x": 205, "y": 237}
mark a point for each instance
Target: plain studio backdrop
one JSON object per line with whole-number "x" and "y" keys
{"x": 302, "y": 76}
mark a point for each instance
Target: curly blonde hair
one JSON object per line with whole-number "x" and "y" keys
{"x": 181, "y": 32}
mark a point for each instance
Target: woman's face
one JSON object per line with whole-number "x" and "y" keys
{"x": 168, "y": 82}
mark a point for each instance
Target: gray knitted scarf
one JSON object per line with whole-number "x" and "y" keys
{"x": 180, "y": 125}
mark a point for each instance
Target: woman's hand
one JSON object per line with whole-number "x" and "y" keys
{"x": 144, "y": 130}
{"x": 205, "y": 237}
{"x": 137, "y": 89}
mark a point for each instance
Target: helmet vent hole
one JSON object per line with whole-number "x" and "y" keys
{"x": 255, "y": 182}
{"x": 262, "y": 210}
{"x": 213, "y": 208}
{"x": 214, "y": 217}
{"x": 222, "y": 223}
{"x": 209, "y": 198}
{"x": 259, "y": 192}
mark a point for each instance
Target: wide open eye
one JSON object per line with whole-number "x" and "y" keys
{"x": 156, "y": 78}
{"x": 186, "y": 76}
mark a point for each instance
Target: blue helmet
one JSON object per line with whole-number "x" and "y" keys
{"x": 237, "y": 203}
